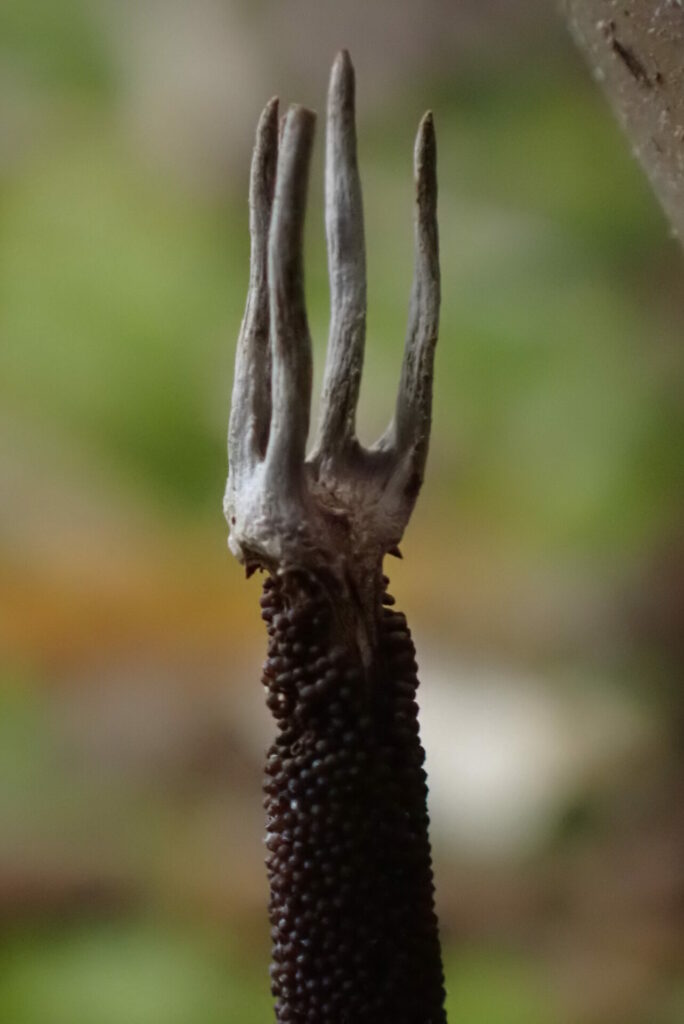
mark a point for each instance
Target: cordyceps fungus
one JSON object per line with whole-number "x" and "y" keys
{"x": 354, "y": 931}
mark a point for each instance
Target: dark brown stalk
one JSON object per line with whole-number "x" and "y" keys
{"x": 353, "y": 923}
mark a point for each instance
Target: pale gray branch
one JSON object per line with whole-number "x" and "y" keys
{"x": 290, "y": 340}
{"x": 346, "y": 264}
{"x": 251, "y": 402}
{"x": 410, "y": 432}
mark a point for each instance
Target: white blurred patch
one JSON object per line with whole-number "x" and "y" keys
{"x": 505, "y": 750}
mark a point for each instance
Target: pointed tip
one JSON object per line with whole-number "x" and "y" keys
{"x": 267, "y": 122}
{"x": 395, "y": 551}
{"x": 343, "y": 61}
{"x": 262, "y": 178}
{"x": 270, "y": 111}
{"x": 426, "y": 143}
{"x": 425, "y": 160}
{"x": 267, "y": 127}
{"x": 342, "y": 81}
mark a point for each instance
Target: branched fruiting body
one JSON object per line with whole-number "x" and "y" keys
{"x": 354, "y": 930}
{"x": 353, "y": 923}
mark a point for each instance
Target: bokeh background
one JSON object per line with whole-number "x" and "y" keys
{"x": 542, "y": 574}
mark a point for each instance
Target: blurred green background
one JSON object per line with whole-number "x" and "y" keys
{"x": 543, "y": 569}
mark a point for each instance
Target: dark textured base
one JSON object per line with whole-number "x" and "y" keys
{"x": 354, "y": 930}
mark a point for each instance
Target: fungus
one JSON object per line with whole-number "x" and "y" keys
{"x": 353, "y": 924}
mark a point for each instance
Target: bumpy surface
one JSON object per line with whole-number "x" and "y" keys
{"x": 354, "y": 930}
